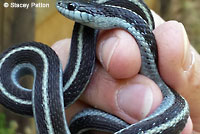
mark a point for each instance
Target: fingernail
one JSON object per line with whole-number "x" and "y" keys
{"x": 188, "y": 55}
{"x": 107, "y": 48}
{"x": 135, "y": 101}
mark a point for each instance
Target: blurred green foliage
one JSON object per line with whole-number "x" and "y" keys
{"x": 7, "y": 129}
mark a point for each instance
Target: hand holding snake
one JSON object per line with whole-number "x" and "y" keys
{"x": 105, "y": 80}
{"x": 52, "y": 90}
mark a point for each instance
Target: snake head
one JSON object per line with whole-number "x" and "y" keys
{"x": 90, "y": 13}
{"x": 79, "y": 11}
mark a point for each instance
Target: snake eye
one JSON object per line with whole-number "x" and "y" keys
{"x": 59, "y": 3}
{"x": 71, "y": 6}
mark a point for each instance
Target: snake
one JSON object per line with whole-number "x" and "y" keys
{"x": 53, "y": 89}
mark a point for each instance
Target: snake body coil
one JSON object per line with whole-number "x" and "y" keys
{"x": 53, "y": 89}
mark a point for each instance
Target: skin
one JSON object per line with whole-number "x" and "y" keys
{"x": 116, "y": 83}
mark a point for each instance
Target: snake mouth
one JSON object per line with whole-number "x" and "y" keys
{"x": 74, "y": 12}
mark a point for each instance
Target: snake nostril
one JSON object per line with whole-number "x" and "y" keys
{"x": 59, "y": 3}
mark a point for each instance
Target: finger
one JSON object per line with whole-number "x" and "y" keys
{"x": 179, "y": 65}
{"x": 174, "y": 57}
{"x": 118, "y": 51}
{"x": 157, "y": 19}
{"x": 62, "y": 49}
{"x": 188, "y": 128}
{"x": 102, "y": 83}
{"x": 119, "y": 62}
{"x": 75, "y": 108}
{"x": 103, "y": 97}
{"x": 130, "y": 99}
{"x": 66, "y": 60}
{"x": 119, "y": 54}
{"x": 152, "y": 96}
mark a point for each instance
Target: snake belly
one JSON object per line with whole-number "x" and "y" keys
{"x": 134, "y": 17}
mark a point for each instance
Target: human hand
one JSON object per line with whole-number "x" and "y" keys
{"x": 116, "y": 82}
